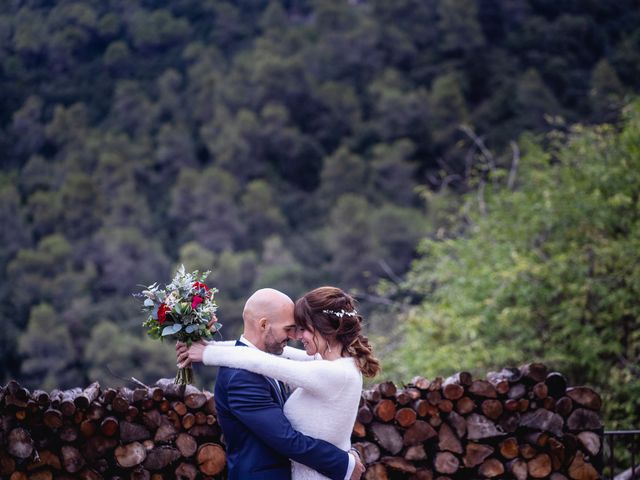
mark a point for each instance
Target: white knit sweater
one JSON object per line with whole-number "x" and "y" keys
{"x": 325, "y": 402}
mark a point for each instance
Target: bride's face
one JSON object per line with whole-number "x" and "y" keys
{"x": 312, "y": 341}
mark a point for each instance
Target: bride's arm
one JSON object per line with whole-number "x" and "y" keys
{"x": 289, "y": 352}
{"x": 297, "y": 354}
{"x": 222, "y": 343}
{"x": 314, "y": 377}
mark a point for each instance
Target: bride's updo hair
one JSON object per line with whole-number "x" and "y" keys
{"x": 331, "y": 312}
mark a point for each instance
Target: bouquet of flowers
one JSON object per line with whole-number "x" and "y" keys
{"x": 183, "y": 310}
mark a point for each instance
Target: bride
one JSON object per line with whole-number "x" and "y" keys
{"x": 327, "y": 380}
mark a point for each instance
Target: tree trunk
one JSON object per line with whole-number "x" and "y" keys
{"x": 447, "y": 440}
{"x": 369, "y": 451}
{"x": 490, "y": 468}
{"x": 388, "y": 437}
{"x": 20, "y": 443}
{"x": 211, "y": 458}
{"x": 160, "y": 457}
{"x": 476, "y": 453}
{"x": 539, "y": 466}
{"x": 405, "y": 417}
{"x": 186, "y": 471}
{"x": 590, "y": 441}
{"x": 480, "y": 427}
{"x": 580, "y": 469}
{"x": 418, "y": 432}
{"x": 585, "y": 397}
{"x": 130, "y": 455}
{"x": 385, "y": 410}
{"x": 186, "y": 444}
{"x": 399, "y": 464}
{"x": 518, "y": 468}
{"x": 583, "y": 419}
{"x": 446, "y": 462}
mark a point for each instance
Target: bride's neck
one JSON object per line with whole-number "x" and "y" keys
{"x": 334, "y": 354}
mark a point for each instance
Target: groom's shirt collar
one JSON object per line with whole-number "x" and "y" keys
{"x": 275, "y": 382}
{"x": 244, "y": 340}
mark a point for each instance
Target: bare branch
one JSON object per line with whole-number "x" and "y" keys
{"x": 629, "y": 364}
{"x": 481, "y": 203}
{"x": 444, "y": 166}
{"x": 114, "y": 374}
{"x": 629, "y": 474}
{"x": 468, "y": 162}
{"x": 387, "y": 269}
{"x": 448, "y": 179}
{"x": 139, "y": 383}
{"x": 480, "y": 144}
{"x": 514, "y": 165}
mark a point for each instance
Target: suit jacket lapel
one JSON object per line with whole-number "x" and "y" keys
{"x": 279, "y": 393}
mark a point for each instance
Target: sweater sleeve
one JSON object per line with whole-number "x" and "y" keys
{"x": 320, "y": 377}
{"x": 297, "y": 354}
{"x": 222, "y": 343}
{"x": 289, "y": 352}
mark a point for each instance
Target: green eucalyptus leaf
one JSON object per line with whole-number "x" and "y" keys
{"x": 171, "y": 329}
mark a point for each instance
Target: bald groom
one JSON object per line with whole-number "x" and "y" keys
{"x": 260, "y": 440}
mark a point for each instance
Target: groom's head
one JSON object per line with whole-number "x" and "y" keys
{"x": 268, "y": 320}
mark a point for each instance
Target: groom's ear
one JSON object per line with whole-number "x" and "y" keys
{"x": 262, "y": 323}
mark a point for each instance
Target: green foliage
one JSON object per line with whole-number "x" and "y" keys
{"x": 260, "y": 212}
{"x": 607, "y": 91}
{"x": 459, "y": 25}
{"x": 547, "y": 271}
{"x": 47, "y": 350}
{"x": 204, "y": 208}
{"x": 278, "y": 268}
{"x": 195, "y": 257}
{"x": 46, "y": 273}
{"x": 114, "y": 362}
{"x": 447, "y": 106}
{"x": 278, "y": 143}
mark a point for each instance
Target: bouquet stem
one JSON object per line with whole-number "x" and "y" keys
{"x": 184, "y": 376}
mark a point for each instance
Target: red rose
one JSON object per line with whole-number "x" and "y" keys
{"x": 162, "y": 313}
{"x": 200, "y": 286}
{"x": 196, "y": 301}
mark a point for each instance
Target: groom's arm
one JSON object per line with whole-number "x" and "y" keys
{"x": 251, "y": 402}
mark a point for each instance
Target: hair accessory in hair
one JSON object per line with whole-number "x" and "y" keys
{"x": 341, "y": 313}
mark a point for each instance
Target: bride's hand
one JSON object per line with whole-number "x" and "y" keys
{"x": 185, "y": 356}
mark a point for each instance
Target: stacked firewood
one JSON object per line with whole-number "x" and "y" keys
{"x": 517, "y": 423}
{"x": 164, "y": 431}
{"x": 520, "y": 423}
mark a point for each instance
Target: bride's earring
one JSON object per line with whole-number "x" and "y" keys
{"x": 329, "y": 346}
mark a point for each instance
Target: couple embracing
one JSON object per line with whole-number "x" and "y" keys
{"x": 288, "y": 414}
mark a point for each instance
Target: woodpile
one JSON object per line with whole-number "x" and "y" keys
{"x": 519, "y": 423}
{"x": 158, "y": 432}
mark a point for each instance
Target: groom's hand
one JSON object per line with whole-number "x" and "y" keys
{"x": 181, "y": 349}
{"x": 186, "y": 356}
{"x": 212, "y": 322}
{"x": 358, "y": 470}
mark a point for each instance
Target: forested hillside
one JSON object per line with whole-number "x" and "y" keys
{"x": 548, "y": 268}
{"x": 285, "y": 143}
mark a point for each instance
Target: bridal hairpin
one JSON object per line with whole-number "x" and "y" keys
{"x": 341, "y": 313}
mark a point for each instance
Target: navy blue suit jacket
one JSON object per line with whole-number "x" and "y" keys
{"x": 259, "y": 438}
